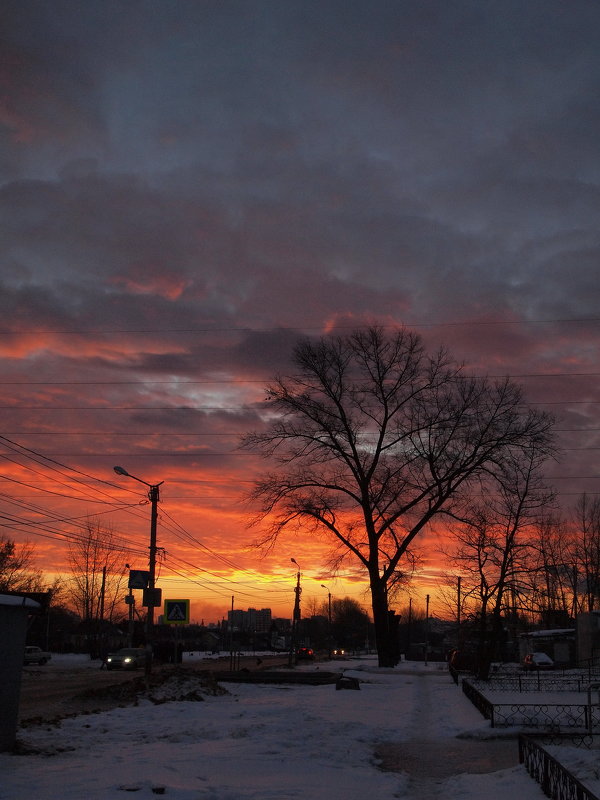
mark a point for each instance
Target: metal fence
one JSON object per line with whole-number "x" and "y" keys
{"x": 535, "y": 682}
{"x": 555, "y": 779}
{"x": 547, "y": 716}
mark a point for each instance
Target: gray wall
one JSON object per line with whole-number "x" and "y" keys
{"x": 13, "y": 630}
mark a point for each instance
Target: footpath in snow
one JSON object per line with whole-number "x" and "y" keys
{"x": 447, "y": 750}
{"x": 407, "y": 733}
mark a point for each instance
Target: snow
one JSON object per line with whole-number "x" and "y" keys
{"x": 584, "y": 764}
{"x": 270, "y": 742}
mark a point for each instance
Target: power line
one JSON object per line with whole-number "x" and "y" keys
{"x": 190, "y": 434}
{"x": 297, "y": 328}
{"x": 147, "y": 434}
{"x": 47, "y": 520}
{"x": 236, "y": 408}
{"x": 244, "y": 381}
{"x": 130, "y": 383}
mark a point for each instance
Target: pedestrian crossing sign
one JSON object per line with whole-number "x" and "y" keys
{"x": 177, "y": 612}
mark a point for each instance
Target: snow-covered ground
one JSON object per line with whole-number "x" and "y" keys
{"x": 266, "y": 742}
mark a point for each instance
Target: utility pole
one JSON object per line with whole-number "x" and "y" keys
{"x": 152, "y": 595}
{"x": 231, "y": 659}
{"x": 458, "y": 581}
{"x": 296, "y": 614}
{"x": 131, "y": 605}
{"x": 101, "y": 631}
{"x": 153, "y": 496}
{"x": 329, "y": 637}
{"x": 102, "y": 594}
{"x": 409, "y": 635}
{"x": 426, "y": 629}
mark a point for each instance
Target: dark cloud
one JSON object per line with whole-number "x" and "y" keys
{"x": 186, "y": 188}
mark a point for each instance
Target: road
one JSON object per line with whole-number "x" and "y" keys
{"x": 58, "y": 688}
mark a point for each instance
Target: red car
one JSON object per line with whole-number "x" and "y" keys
{"x": 305, "y": 654}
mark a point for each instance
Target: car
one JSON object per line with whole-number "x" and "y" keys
{"x": 537, "y": 661}
{"x": 126, "y": 658}
{"x": 35, "y": 655}
{"x": 339, "y": 651}
{"x": 305, "y": 654}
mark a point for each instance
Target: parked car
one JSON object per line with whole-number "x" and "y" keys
{"x": 35, "y": 655}
{"x": 305, "y": 654}
{"x": 537, "y": 661}
{"x": 126, "y": 658}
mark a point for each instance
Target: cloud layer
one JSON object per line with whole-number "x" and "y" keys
{"x": 186, "y": 186}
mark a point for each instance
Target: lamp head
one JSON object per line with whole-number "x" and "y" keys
{"x": 121, "y": 471}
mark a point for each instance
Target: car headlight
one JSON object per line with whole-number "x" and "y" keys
{"x": 127, "y": 660}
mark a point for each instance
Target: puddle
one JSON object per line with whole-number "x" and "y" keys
{"x": 444, "y": 758}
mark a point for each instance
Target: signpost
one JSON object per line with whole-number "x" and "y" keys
{"x": 138, "y": 579}
{"x": 177, "y": 612}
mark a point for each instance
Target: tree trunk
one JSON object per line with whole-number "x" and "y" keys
{"x": 492, "y": 640}
{"x": 386, "y": 626}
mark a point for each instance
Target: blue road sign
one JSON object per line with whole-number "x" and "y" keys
{"x": 177, "y": 612}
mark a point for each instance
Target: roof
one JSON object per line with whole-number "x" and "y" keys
{"x": 548, "y": 634}
{"x": 18, "y": 600}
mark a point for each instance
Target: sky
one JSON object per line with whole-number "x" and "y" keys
{"x": 188, "y": 187}
{"x": 278, "y": 742}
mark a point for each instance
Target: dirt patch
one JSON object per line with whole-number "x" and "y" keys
{"x": 162, "y": 687}
{"x": 442, "y": 759}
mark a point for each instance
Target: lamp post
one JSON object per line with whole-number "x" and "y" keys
{"x": 329, "y": 638}
{"x": 151, "y": 592}
{"x": 296, "y": 614}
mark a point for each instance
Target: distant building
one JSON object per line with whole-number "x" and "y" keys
{"x": 252, "y": 620}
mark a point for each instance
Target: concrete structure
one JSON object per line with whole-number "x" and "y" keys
{"x": 14, "y": 612}
{"x": 588, "y": 636}
{"x": 557, "y": 643}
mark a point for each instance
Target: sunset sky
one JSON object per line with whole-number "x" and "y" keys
{"x": 187, "y": 187}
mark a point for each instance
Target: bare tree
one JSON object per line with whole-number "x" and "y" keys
{"x": 587, "y": 518}
{"x": 18, "y": 572}
{"x": 374, "y": 439}
{"x": 97, "y": 575}
{"x": 553, "y": 574}
{"x": 494, "y": 546}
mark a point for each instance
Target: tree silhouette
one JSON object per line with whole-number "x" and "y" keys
{"x": 373, "y": 440}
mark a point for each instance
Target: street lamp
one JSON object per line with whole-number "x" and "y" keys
{"x": 152, "y": 594}
{"x": 329, "y": 638}
{"x": 296, "y": 615}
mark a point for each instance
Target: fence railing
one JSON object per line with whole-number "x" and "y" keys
{"x": 554, "y": 778}
{"x": 534, "y": 683}
{"x": 548, "y": 716}
{"x": 480, "y": 701}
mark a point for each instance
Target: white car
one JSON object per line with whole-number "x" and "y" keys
{"x": 35, "y": 655}
{"x": 537, "y": 661}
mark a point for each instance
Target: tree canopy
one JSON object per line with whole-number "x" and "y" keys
{"x": 371, "y": 438}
